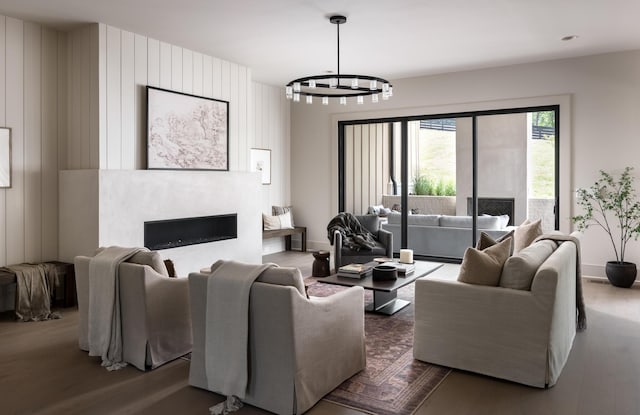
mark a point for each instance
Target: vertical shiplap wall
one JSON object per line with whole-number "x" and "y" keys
{"x": 125, "y": 63}
{"x": 270, "y": 113}
{"x": 366, "y": 166}
{"x": 31, "y": 60}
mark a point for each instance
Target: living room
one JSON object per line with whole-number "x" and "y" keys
{"x": 75, "y": 102}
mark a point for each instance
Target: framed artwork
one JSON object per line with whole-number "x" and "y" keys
{"x": 186, "y": 131}
{"x": 261, "y": 161}
{"x": 5, "y": 157}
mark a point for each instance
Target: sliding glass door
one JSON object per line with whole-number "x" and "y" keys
{"x": 438, "y": 181}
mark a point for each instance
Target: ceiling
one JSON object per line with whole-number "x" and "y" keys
{"x": 285, "y": 39}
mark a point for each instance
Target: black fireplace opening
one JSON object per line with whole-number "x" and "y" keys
{"x": 172, "y": 233}
{"x": 494, "y": 206}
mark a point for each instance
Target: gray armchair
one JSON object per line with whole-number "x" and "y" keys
{"x": 156, "y": 324}
{"x": 384, "y": 244}
{"x": 300, "y": 348}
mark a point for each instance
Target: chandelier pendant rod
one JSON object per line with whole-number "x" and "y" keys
{"x": 338, "y": 29}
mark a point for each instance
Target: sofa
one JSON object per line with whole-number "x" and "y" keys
{"x": 156, "y": 320}
{"x": 522, "y": 334}
{"x": 300, "y": 348}
{"x": 444, "y": 236}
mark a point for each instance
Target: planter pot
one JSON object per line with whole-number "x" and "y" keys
{"x": 621, "y": 274}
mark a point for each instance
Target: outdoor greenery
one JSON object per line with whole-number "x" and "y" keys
{"x": 424, "y": 185}
{"x": 610, "y": 196}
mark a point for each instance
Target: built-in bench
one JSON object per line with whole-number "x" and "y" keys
{"x": 276, "y": 233}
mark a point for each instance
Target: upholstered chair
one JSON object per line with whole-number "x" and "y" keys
{"x": 299, "y": 348}
{"x": 384, "y": 244}
{"x": 156, "y": 324}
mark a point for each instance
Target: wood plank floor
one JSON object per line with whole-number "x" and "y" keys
{"x": 42, "y": 371}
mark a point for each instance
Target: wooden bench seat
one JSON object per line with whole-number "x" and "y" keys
{"x": 302, "y": 230}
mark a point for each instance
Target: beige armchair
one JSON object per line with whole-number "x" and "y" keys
{"x": 300, "y": 348}
{"x": 156, "y": 325}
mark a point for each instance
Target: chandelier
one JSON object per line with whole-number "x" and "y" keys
{"x": 337, "y": 85}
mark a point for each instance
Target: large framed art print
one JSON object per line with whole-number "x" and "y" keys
{"x": 186, "y": 131}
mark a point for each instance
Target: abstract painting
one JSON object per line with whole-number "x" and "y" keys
{"x": 186, "y": 131}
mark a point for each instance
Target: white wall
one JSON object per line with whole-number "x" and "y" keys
{"x": 32, "y": 68}
{"x": 110, "y": 207}
{"x": 599, "y": 97}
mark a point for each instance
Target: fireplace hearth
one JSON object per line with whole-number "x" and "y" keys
{"x": 172, "y": 233}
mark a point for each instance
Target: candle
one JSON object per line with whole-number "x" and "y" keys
{"x": 406, "y": 256}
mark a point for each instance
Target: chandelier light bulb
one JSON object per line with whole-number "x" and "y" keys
{"x": 385, "y": 87}
{"x": 309, "y": 99}
{"x": 390, "y": 91}
{"x": 333, "y": 83}
{"x": 354, "y": 83}
{"x": 360, "y": 100}
{"x": 343, "y": 100}
{"x": 289, "y": 91}
{"x": 385, "y": 96}
{"x": 325, "y": 100}
{"x": 296, "y": 97}
{"x": 374, "y": 98}
{"x": 312, "y": 83}
{"x": 296, "y": 87}
{"x": 373, "y": 85}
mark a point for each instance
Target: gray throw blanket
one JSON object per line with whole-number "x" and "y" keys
{"x": 227, "y": 330}
{"x": 558, "y": 239}
{"x": 34, "y": 286}
{"x": 105, "y": 322}
{"x": 354, "y": 235}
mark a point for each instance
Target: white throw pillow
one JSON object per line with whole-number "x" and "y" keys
{"x": 277, "y": 222}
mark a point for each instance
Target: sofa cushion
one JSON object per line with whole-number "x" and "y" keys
{"x": 519, "y": 270}
{"x": 151, "y": 258}
{"x": 484, "y": 267}
{"x": 526, "y": 233}
{"x": 484, "y": 222}
{"x": 485, "y": 241}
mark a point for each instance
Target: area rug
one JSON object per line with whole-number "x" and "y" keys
{"x": 393, "y": 383}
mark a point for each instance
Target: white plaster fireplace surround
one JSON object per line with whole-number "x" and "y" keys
{"x": 109, "y": 207}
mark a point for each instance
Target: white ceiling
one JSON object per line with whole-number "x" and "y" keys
{"x": 285, "y": 39}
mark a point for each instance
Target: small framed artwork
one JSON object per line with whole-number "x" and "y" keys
{"x": 186, "y": 131}
{"x": 261, "y": 162}
{"x": 5, "y": 157}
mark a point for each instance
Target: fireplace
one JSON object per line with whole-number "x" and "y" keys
{"x": 493, "y": 206}
{"x": 165, "y": 234}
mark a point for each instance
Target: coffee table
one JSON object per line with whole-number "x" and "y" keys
{"x": 385, "y": 293}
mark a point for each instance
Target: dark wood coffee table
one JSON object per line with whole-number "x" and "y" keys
{"x": 385, "y": 293}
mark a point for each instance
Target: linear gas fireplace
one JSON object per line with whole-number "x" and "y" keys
{"x": 164, "y": 234}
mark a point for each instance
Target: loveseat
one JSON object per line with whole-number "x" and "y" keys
{"x": 444, "y": 236}
{"x": 523, "y": 334}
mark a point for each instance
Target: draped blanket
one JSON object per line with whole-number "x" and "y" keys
{"x": 581, "y": 312}
{"x": 227, "y": 326}
{"x": 34, "y": 286}
{"x": 354, "y": 235}
{"x": 105, "y": 323}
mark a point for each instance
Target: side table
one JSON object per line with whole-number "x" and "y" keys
{"x": 321, "y": 266}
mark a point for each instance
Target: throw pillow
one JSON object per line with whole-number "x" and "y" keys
{"x": 281, "y": 210}
{"x": 484, "y": 267}
{"x": 519, "y": 270}
{"x": 277, "y": 222}
{"x": 526, "y": 233}
{"x": 485, "y": 241}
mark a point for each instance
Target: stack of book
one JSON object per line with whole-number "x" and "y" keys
{"x": 403, "y": 269}
{"x": 355, "y": 270}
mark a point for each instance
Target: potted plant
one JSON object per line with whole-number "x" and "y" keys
{"x": 610, "y": 201}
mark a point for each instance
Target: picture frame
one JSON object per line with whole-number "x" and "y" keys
{"x": 5, "y": 157}
{"x": 261, "y": 162}
{"x": 186, "y": 132}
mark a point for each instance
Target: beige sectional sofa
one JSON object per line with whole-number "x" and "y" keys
{"x": 523, "y": 335}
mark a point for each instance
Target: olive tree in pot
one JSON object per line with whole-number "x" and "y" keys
{"x": 611, "y": 202}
